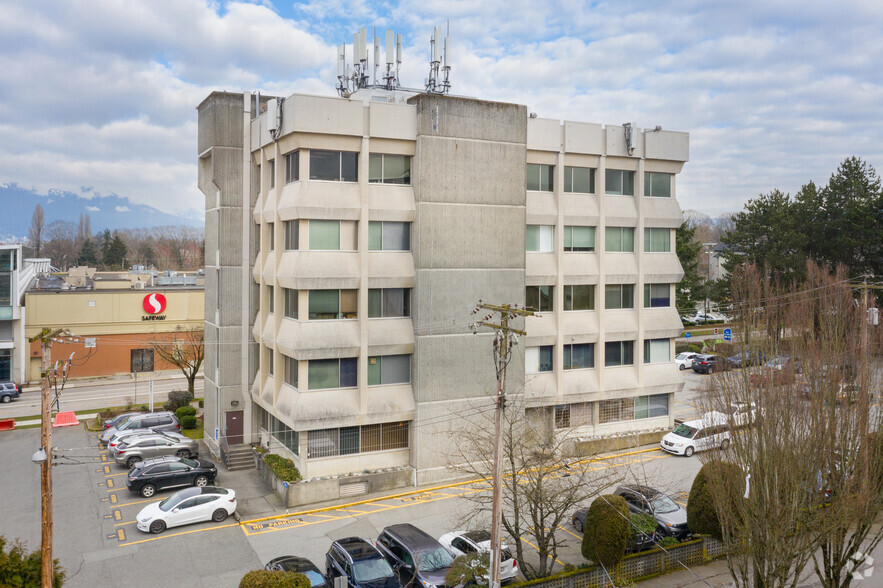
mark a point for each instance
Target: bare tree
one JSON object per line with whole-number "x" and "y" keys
{"x": 184, "y": 349}
{"x": 35, "y": 233}
{"x": 60, "y": 243}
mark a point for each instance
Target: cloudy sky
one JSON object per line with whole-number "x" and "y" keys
{"x": 98, "y": 96}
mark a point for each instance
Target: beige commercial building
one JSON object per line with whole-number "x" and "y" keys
{"x": 348, "y": 240}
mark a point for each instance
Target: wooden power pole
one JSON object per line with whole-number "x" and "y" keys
{"x": 503, "y": 343}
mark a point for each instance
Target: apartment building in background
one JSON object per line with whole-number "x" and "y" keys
{"x": 348, "y": 240}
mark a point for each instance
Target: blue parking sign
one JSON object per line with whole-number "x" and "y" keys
{"x": 687, "y": 335}
{"x": 728, "y": 335}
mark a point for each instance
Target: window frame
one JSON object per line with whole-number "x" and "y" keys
{"x": 383, "y": 180}
{"x": 623, "y": 289}
{"x": 384, "y": 303}
{"x": 568, "y": 179}
{"x": 292, "y": 171}
{"x": 569, "y": 236}
{"x": 340, "y": 166}
{"x": 649, "y": 298}
{"x": 623, "y": 184}
{"x": 569, "y": 294}
{"x": 648, "y": 350}
{"x": 568, "y": 352}
{"x": 541, "y": 361}
{"x": 648, "y": 184}
{"x": 649, "y": 239}
{"x": 289, "y": 302}
{"x": 373, "y": 227}
{"x": 608, "y": 231}
{"x": 542, "y": 237}
{"x": 550, "y": 296}
{"x": 538, "y": 168}
{"x": 350, "y": 361}
{"x": 626, "y": 353}
{"x": 291, "y": 237}
{"x": 378, "y": 360}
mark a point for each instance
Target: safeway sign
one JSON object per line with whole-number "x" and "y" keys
{"x": 154, "y": 304}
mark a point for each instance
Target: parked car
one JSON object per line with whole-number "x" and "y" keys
{"x": 298, "y": 565}
{"x": 121, "y": 436}
{"x": 671, "y": 518}
{"x": 464, "y": 542}
{"x": 137, "y": 448}
{"x": 685, "y": 360}
{"x": 711, "y": 430}
{"x": 741, "y": 414}
{"x": 191, "y": 505}
{"x": 640, "y": 541}
{"x": 416, "y": 558}
{"x": 9, "y": 391}
{"x": 119, "y": 419}
{"x": 785, "y": 363}
{"x": 746, "y": 358}
{"x": 360, "y": 563}
{"x": 169, "y": 471}
{"x": 161, "y": 421}
{"x": 708, "y": 364}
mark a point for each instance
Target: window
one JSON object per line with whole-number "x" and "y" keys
{"x": 562, "y": 416}
{"x": 620, "y": 409}
{"x": 619, "y": 296}
{"x": 579, "y": 179}
{"x": 271, "y": 227}
{"x": 579, "y": 356}
{"x": 573, "y": 415}
{"x": 657, "y": 240}
{"x": 290, "y": 302}
{"x": 292, "y": 235}
{"x": 657, "y": 184}
{"x": 579, "y": 238}
{"x": 280, "y": 432}
{"x": 142, "y": 360}
{"x": 352, "y": 440}
{"x": 271, "y": 299}
{"x": 657, "y": 351}
{"x": 272, "y": 171}
{"x": 389, "y": 236}
{"x": 334, "y": 166}
{"x": 5, "y": 365}
{"x": 389, "y": 369}
{"x": 648, "y": 407}
{"x": 619, "y": 239}
{"x": 389, "y": 169}
{"x": 619, "y": 353}
{"x": 619, "y": 181}
{"x": 657, "y": 295}
{"x": 540, "y": 238}
{"x": 292, "y": 167}
{"x": 290, "y": 370}
{"x": 538, "y": 359}
{"x": 332, "y": 304}
{"x": 331, "y": 373}
{"x": 579, "y": 297}
{"x": 325, "y": 235}
{"x": 270, "y": 361}
{"x": 539, "y": 298}
{"x": 539, "y": 177}
{"x": 389, "y": 302}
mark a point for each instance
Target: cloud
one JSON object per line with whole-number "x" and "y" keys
{"x": 94, "y": 208}
{"x": 122, "y": 209}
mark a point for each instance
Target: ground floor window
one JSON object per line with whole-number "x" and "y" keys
{"x": 627, "y": 409}
{"x": 353, "y": 440}
{"x": 5, "y": 365}
{"x": 280, "y": 432}
{"x": 142, "y": 360}
{"x": 573, "y": 415}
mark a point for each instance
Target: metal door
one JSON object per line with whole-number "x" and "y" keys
{"x": 234, "y": 427}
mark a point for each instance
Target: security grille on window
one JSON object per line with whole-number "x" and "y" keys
{"x": 292, "y": 167}
{"x": 657, "y": 295}
{"x": 290, "y": 302}
{"x": 619, "y": 353}
{"x": 657, "y": 240}
{"x": 332, "y": 373}
{"x": 619, "y": 239}
{"x": 539, "y": 238}
{"x": 332, "y": 304}
{"x": 271, "y": 170}
{"x": 620, "y": 409}
{"x": 657, "y": 184}
{"x": 562, "y": 416}
{"x": 538, "y": 359}
{"x": 657, "y": 350}
{"x": 389, "y": 236}
{"x": 142, "y": 360}
{"x": 579, "y": 239}
{"x": 539, "y": 298}
{"x": 389, "y": 369}
{"x": 573, "y": 415}
{"x": 619, "y": 182}
{"x": 389, "y": 302}
{"x": 389, "y": 169}
{"x": 292, "y": 235}
{"x": 579, "y": 179}
{"x": 617, "y": 296}
{"x": 353, "y": 440}
{"x": 579, "y": 297}
{"x": 579, "y": 356}
{"x": 334, "y": 166}
{"x": 539, "y": 177}
{"x": 290, "y": 370}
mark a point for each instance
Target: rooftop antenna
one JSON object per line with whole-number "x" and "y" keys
{"x": 376, "y": 55}
{"x": 351, "y": 80}
{"x": 391, "y": 77}
{"x": 439, "y": 55}
{"x": 342, "y": 78}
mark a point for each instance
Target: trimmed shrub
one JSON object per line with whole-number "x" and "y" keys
{"x": 608, "y": 530}
{"x": 643, "y": 523}
{"x": 201, "y": 403}
{"x": 274, "y": 579}
{"x": 702, "y": 516}
{"x": 177, "y": 399}
{"x": 185, "y": 411}
{"x": 668, "y": 541}
{"x": 188, "y": 421}
{"x": 282, "y": 467}
{"x": 20, "y": 568}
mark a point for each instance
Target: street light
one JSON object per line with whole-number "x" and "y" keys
{"x": 39, "y": 456}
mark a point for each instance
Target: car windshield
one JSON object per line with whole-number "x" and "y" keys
{"x": 189, "y": 462}
{"x": 663, "y": 504}
{"x": 682, "y": 356}
{"x": 367, "y": 570}
{"x": 683, "y": 430}
{"x": 126, "y": 425}
{"x": 316, "y": 579}
{"x": 168, "y": 504}
{"x": 433, "y": 559}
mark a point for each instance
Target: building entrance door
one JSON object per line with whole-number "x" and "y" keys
{"x": 234, "y": 427}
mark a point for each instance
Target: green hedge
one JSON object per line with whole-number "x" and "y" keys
{"x": 608, "y": 530}
{"x": 274, "y": 579}
{"x": 282, "y": 467}
{"x": 188, "y": 421}
{"x": 185, "y": 411}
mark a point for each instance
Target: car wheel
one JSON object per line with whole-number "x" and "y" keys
{"x": 578, "y": 525}
{"x": 710, "y": 371}
{"x": 7, "y": 399}
{"x": 148, "y": 490}
{"x": 682, "y": 367}
{"x": 219, "y": 515}
{"x": 688, "y": 452}
{"x": 725, "y": 444}
{"x": 200, "y": 481}
{"x": 183, "y": 453}
{"x": 157, "y": 527}
{"x": 130, "y": 463}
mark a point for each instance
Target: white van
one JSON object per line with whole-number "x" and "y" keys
{"x": 708, "y": 431}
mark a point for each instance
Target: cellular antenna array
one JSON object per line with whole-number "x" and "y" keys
{"x": 439, "y": 80}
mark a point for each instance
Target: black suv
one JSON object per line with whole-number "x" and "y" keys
{"x": 9, "y": 391}
{"x": 159, "y": 473}
{"x": 418, "y": 559}
{"x": 360, "y": 563}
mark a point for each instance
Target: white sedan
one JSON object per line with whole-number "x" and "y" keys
{"x": 462, "y": 542}
{"x": 191, "y": 505}
{"x": 685, "y": 360}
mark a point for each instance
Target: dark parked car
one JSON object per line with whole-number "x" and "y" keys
{"x": 747, "y": 358}
{"x": 119, "y": 419}
{"x": 9, "y": 391}
{"x": 360, "y": 563}
{"x": 708, "y": 364}
{"x": 670, "y": 517}
{"x": 298, "y": 565}
{"x": 418, "y": 559}
{"x": 160, "y": 473}
{"x": 640, "y": 541}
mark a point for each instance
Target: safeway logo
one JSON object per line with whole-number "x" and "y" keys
{"x": 154, "y": 303}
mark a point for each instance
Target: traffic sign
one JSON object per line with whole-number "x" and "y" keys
{"x": 716, "y": 331}
{"x": 728, "y": 335}
{"x": 687, "y": 335}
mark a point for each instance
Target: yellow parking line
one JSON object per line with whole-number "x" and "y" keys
{"x": 684, "y": 504}
{"x": 121, "y": 535}
{"x": 126, "y": 523}
{"x": 134, "y": 503}
{"x": 538, "y": 549}
{"x": 571, "y": 532}
{"x": 165, "y": 536}
{"x": 109, "y": 475}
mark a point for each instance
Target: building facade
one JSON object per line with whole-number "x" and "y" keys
{"x": 349, "y": 239}
{"x": 16, "y": 275}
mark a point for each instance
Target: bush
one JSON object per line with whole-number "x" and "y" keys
{"x": 469, "y": 570}
{"x": 188, "y": 421}
{"x": 702, "y": 516}
{"x": 282, "y": 467}
{"x": 201, "y": 403}
{"x": 20, "y": 568}
{"x": 185, "y": 411}
{"x": 177, "y": 399}
{"x": 274, "y": 579}
{"x": 608, "y": 530}
{"x": 643, "y": 523}
{"x": 668, "y": 541}
{"x": 143, "y": 407}
{"x": 694, "y": 348}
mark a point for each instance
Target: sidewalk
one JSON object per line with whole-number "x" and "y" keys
{"x": 714, "y": 574}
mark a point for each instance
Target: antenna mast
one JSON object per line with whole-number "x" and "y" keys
{"x": 439, "y": 62}
{"x": 351, "y": 80}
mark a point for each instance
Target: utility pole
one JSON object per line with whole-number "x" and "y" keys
{"x": 503, "y": 343}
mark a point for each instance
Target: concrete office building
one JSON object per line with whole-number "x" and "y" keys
{"x": 348, "y": 240}
{"x": 16, "y": 276}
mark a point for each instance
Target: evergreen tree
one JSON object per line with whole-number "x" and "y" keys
{"x": 687, "y": 291}
{"x": 88, "y": 254}
{"x": 114, "y": 257}
{"x": 106, "y": 239}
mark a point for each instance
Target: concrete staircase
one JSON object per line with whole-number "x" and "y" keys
{"x": 239, "y": 457}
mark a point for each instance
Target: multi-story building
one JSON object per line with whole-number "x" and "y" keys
{"x": 16, "y": 275}
{"x": 348, "y": 240}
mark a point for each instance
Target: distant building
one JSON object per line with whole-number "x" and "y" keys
{"x": 16, "y": 275}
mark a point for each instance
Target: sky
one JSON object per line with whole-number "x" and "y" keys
{"x": 98, "y": 97}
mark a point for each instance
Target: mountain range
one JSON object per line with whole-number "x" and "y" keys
{"x": 105, "y": 212}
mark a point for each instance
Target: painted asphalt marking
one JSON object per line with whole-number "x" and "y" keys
{"x": 166, "y": 536}
{"x": 135, "y": 502}
{"x": 570, "y": 532}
